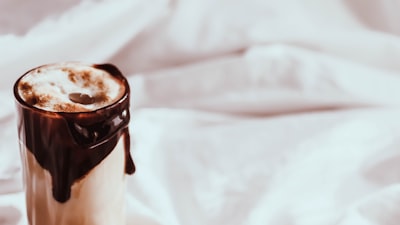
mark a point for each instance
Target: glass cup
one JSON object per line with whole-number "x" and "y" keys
{"x": 75, "y": 162}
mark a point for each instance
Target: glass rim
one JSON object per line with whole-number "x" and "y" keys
{"x": 115, "y": 73}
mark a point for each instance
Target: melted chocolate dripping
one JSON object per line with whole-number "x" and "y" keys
{"x": 129, "y": 165}
{"x": 69, "y": 145}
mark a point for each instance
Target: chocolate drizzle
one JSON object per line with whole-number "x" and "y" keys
{"x": 70, "y": 144}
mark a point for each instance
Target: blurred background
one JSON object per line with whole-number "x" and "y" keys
{"x": 243, "y": 112}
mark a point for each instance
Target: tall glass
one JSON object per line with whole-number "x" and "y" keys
{"x": 74, "y": 159}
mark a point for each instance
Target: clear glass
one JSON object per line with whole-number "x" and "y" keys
{"x": 74, "y": 164}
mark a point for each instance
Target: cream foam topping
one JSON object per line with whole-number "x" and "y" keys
{"x": 69, "y": 87}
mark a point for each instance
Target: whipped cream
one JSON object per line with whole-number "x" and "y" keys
{"x": 69, "y": 87}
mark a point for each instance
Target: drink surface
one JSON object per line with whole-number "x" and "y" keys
{"x": 69, "y": 87}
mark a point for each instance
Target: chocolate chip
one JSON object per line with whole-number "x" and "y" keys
{"x": 81, "y": 98}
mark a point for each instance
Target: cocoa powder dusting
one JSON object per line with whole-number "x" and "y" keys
{"x": 100, "y": 84}
{"x": 68, "y": 107}
{"x": 101, "y": 97}
{"x": 85, "y": 75}
{"x": 25, "y": 87}
{"x": 27, "y": 92}
{"x": 71, "y": 75}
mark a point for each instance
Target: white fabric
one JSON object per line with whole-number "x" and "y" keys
{"x": 244, "y": 112}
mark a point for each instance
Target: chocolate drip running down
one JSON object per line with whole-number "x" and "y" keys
{"x": 70, "y": 144}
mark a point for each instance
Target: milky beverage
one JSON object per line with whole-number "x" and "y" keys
{"x": 74, "y": 141}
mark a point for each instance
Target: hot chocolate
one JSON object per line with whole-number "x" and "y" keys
{"x": 74, "y": 138}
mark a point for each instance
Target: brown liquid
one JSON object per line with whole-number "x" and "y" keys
{"x": 70, "y": 144}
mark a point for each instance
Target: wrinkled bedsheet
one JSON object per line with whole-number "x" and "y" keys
{"x": 243, "y": 112}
